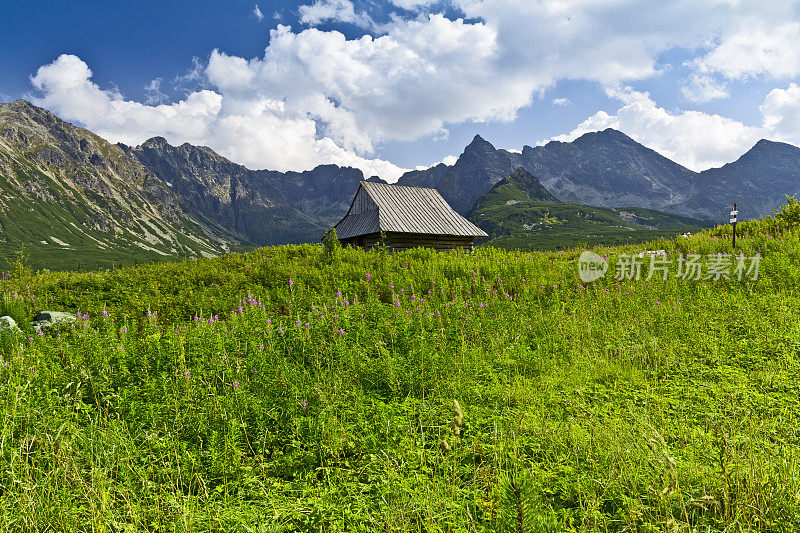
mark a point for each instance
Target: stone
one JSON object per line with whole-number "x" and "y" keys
{"x": 8, "y": 324}
{"x": 48, "y": 319}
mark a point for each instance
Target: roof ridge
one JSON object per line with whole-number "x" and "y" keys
{"x": 394, "y": 185}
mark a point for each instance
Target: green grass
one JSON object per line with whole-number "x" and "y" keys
{"x": 321, "y": 396}
{"x": 66, "y": 236}
{"x": 518, "y": 221}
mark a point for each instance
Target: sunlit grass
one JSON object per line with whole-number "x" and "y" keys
{"x": 293, "y": 388}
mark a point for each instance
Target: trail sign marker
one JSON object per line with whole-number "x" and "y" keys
{"x": 734, "y": 220}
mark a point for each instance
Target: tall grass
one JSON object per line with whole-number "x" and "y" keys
{"x": 304, "y": 388}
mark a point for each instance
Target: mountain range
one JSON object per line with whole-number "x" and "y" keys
{"x": 70, "y": 198}
{"x": 519, "y": 212}
{"x": 68, "y": 194}
{"x": 609, "y": 169}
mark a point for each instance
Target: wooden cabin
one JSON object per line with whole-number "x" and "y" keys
{"x": 407, "y": 217}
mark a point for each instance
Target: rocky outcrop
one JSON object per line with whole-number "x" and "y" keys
{"x": 8, "y": 325}
{"x": 45, "y": 320}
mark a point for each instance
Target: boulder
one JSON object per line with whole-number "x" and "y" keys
{"x": 8, "y": 324}
{"x": 48, "y": 319}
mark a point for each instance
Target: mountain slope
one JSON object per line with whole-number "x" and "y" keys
{"x": 518, "y": 212}
{"x": 478, "y": 168}
{"x": 71, "y": 197}
{"x": 67, "y": 193}
{"x": 758, "y": 181}
{"x": 267, "y": 207}
{"x": 519, "y": 186}
{"x": 610, "y": 169}
{"x": 605, "y": 168}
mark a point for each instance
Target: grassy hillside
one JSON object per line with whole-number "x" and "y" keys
{"x": 57, "y": 236}
{"x": 517, "y": 214}
{"x": 75, "y": 201}
{"x": 297, "y": 389}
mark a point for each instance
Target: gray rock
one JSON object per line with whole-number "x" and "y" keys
{"x": 48, "y": 319}
{"x": 8, "y": 324}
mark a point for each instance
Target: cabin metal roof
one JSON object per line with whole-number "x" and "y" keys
{"x": 379, "y": 207}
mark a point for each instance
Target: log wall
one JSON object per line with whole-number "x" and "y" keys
{"x": 406, "y": 241}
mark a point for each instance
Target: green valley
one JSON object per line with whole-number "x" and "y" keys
{"x": 519, "y": 213}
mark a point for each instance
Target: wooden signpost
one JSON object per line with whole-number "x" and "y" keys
{"x": 734, "y": 220}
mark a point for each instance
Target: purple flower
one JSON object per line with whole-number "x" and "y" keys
{"x": 340, "y": 332}
{"x": 303, "y": 404}
{"x": 369, "y": 277}
{"x": 235, "y": 384}
{"x": 187, "y": 373}
{"x": 291, "y": 282}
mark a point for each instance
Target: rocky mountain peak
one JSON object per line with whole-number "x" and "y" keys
{"x": 479, "y": 144}
{"x": 156, "y": 143}
{"x": 608, "y": 135}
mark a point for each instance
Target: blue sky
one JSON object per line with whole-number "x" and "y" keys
{"x": 388, "y": 86}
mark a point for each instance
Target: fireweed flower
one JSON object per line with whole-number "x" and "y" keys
{"x": 340, "y": 332}
{"x": 235, "y": 384}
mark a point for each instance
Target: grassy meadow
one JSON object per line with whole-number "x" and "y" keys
{"x": 303, "y": 388}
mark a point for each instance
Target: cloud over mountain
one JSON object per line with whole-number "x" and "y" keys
{"x": 694, "y": 139}
{"x": 315, "y": 96}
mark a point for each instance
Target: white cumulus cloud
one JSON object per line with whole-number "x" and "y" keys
{"x": 336, "y": 10}
{"x": 317, "y": 97}
{"x": 258, "y": 132}
{"x": 694, "y": 139}
{"x": 781, "y": 112}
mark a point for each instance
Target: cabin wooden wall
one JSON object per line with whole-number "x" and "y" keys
{"x": 406, "y": 241}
